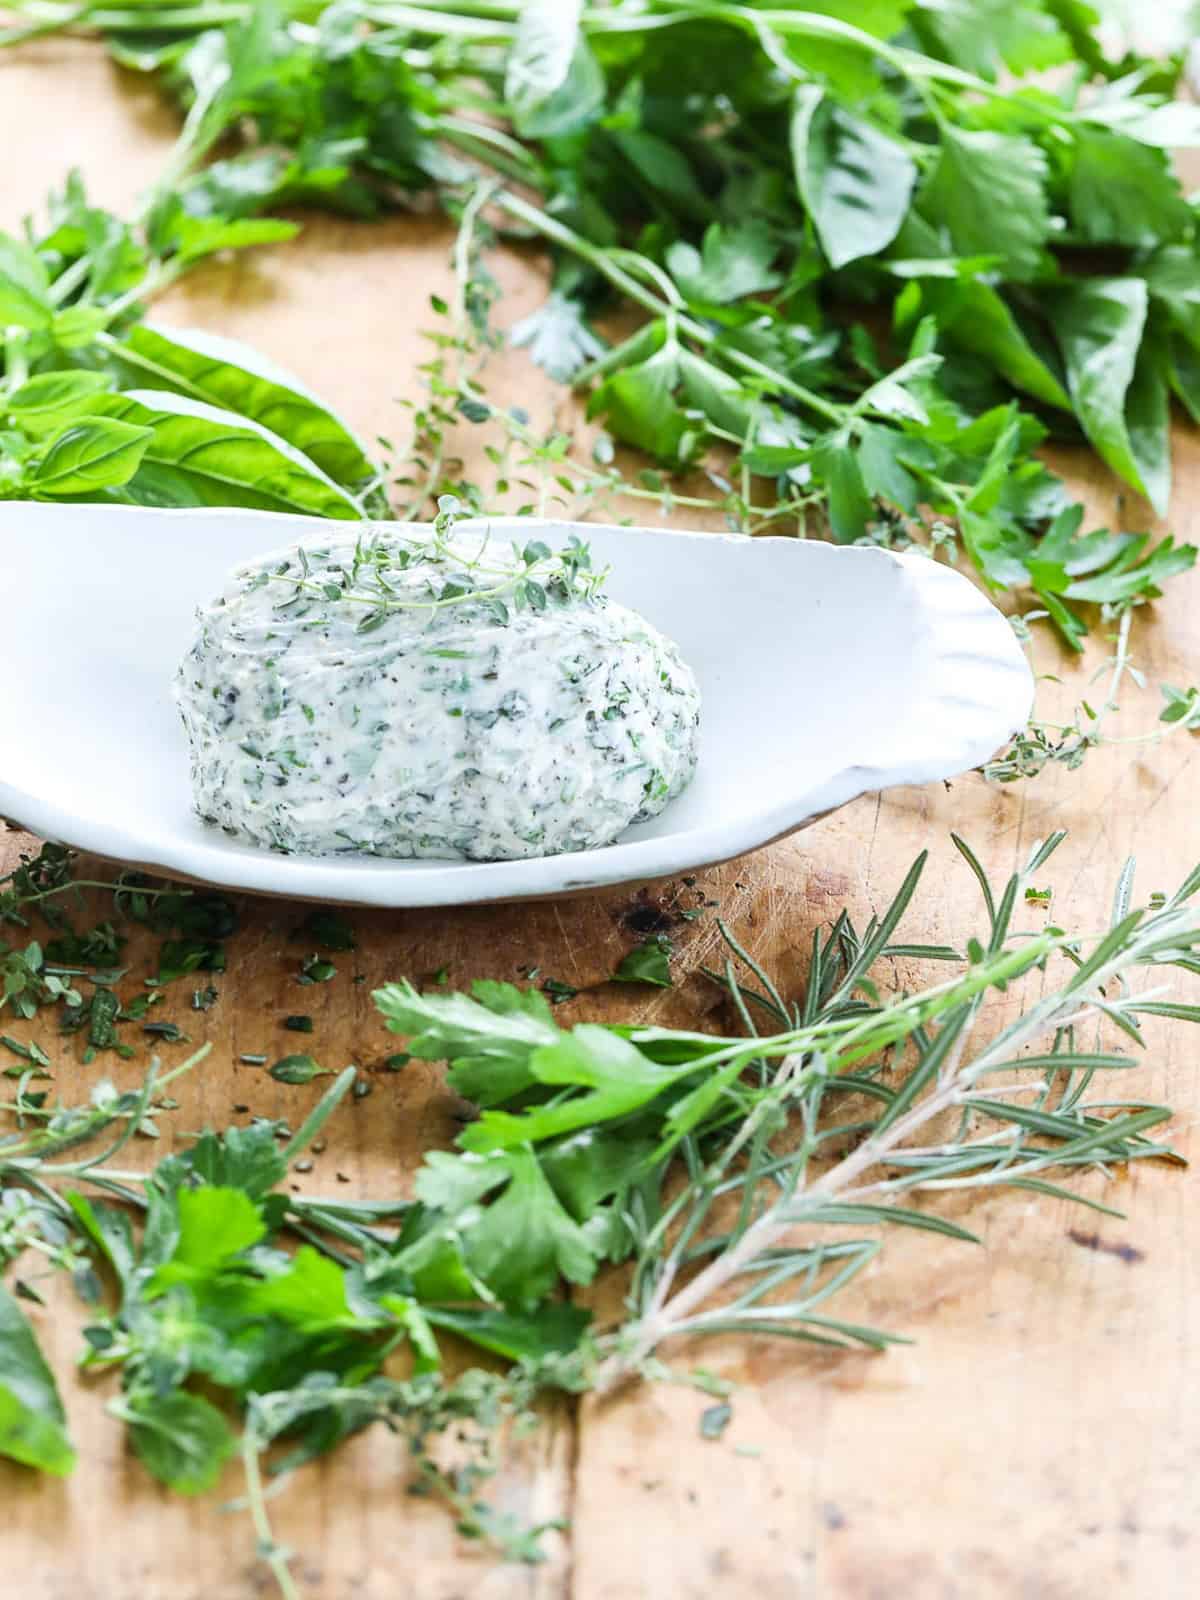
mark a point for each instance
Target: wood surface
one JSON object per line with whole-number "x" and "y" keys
{"x": 1040, "y": 1440}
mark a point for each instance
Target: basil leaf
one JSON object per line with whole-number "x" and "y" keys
{"x": 987, "y": 190}
{"x": 197, "y": 237}
{"x": 855, "y": 182}
{"x": 1148, "y": 420}
{"x": 75, "y": 327}
{"x": 43, "y": 403}
{"x": 100, "y": 453}
{"x": 32, "y": 1420}
{"x": 219, "y": 459}
{"x": 1184, "y": 372}
{"x": 24, "y": 286}
{"x": 223, "y": 372}
{"x": 1099, "y": 324}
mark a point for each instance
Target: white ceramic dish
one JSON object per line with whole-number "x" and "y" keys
{"x": 825, "y": 672}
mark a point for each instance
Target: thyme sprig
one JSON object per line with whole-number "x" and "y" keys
{"x": 391, "y": 572}
{"x": 1042, "y": 743}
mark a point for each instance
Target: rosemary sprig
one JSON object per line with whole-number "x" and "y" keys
{"x": 783, "y": 1182}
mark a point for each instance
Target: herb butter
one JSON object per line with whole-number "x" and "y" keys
{"x": 440, "y": 695}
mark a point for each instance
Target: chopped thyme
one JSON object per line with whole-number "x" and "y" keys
{"x": 558, "y": 992}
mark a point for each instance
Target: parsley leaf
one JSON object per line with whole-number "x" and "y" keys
{"x": 987, "y": 190}
{"x": 648, "y": 962}
{"x": 557, "y": 337}
{"x": 181, "y": 1438}
{"x": 1124, "y": 192}
{"x": 525, "y": 1239}
{"x": 1118, "y": 387}
{"x": 213, "y": 1225}
{"x": 855, "y": 181}
{"x": 488, "y": 1036}
{"x": 732, "y": 262}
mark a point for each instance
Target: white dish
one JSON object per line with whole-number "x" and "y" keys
{"x": 825, "y": 673}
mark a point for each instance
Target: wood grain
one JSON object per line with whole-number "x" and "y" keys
{"x": 1040, "y": 1438}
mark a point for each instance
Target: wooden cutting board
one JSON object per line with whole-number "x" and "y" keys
{"x": 1041, "y": 1436}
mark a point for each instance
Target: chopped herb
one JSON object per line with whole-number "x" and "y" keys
{"x": 298, "y": 1024}
{"x": 31, "y": 1052}
{"x": 558, "y": 992}
{"x": 204, "y": 999}
{"x": 649, "y": 962}
{"x": 253, "y": 1060}
{"x": 169, "y": 1031}
{"x": 327, "y": 930}
{"x": 715, "y": 1420}
{"x": 316, "y": 970}
{"x": 178, "y": 957}
{"x": 298, "y": 1069}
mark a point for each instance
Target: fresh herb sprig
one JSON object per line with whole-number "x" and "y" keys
{"x": 98, "y": 404}
{"x": 689, "y": 1156}
{"x": 1043, "y": 744}
{"x": 867, "y": 149}
{"x": 396, "y": 572}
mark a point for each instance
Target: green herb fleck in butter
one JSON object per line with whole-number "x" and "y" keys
{"x": 432, "y": 696}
